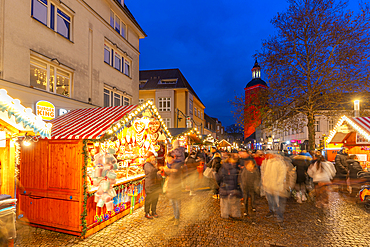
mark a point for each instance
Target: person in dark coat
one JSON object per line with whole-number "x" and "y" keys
{"x": 250, "y": 180}
{"x": 191, "y": 163}
{"x": 152, "y": 186}
{"x": 353, "y": 166}
{"x": 215, "y": 164}
{"x": 341, "y": 165}
{"x": 230, "y": 192}
{"x": 173, "y": 169}
{"x": 301, "y": 162}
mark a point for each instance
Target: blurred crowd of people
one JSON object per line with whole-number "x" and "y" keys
{"x": 237, "y": 177}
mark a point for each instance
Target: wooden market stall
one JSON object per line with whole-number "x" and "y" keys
{"x": 353, "y": 133}
{"x": 89, "y": 173}
{"x": 16, "y": 122}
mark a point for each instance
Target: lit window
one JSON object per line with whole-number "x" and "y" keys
{"x": 164, "y": 104}
{"x": 50, "y": 77}
{"x": 59, "y": 20}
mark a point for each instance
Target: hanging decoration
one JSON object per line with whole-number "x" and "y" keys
{"x": 22, "y": 115}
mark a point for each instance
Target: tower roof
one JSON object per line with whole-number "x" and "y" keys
{"x": 256, "y": 81}
{"x": 256, "y": 74}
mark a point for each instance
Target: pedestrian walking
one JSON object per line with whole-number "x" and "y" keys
{"x": 273, "y": 175}
{"x": 191, "y": 163}
{"x": 322, "y": 172}
{"x": 301, "y": 162}
{"x": 230, "y": 192}
{"x": 250, "y": 181}
{"x": 153, "y": 180}
{"x": 341, "y": 168}
{"x": 215, "y": 164}
{"x": 173, "y": 169}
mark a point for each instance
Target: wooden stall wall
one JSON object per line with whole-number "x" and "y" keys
{"x": 7, "y": 162}
{"x": 51, "y": 174}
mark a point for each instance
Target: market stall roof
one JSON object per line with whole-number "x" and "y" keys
{"x": 20, "y": 119}
{"x": 93, "y": 123}
{"x": 178, "y": 131}
{"x": 360, "y": 124}
{"x": 224, "y": 143}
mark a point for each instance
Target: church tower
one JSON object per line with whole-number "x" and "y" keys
{"x": 252, "y": 116}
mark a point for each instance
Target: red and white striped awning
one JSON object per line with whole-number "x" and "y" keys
{"x": 88, "y": 123}
{"x": 360, "y": 124}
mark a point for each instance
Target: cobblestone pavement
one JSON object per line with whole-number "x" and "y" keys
{"x": 344, "y": 224}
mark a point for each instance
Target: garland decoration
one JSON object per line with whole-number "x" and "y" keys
{"x": 85, "y": 195}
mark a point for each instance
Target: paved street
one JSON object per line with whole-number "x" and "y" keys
{"x": 345, "y": 224}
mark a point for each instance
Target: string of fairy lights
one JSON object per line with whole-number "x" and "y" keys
{"x": 350, "y": 122}
{"x": 127, "y": 120}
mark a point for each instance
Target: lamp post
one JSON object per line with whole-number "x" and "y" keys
{"x": 356, "y": 107}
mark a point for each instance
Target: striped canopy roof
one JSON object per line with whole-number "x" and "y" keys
{"x": 360, "y": 124}
{"x": 88, "y": 123}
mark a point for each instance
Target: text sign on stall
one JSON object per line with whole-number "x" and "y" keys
{"x": 45, "y": 109}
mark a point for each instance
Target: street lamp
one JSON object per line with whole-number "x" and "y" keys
{"x": 357, "y": 108}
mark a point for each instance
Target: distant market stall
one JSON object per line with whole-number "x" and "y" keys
{"x": 90, "y": 173}
{"x": 224, "y": 144}
{"x": 187, "y": 137}
{"x": 353, "y": 133}
{"x": 16, "y": 122}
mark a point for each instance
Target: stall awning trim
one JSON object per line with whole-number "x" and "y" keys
{"x": 88, "y": 123}
{"x": 360, "y": 124}
{"x": 18, "y": 114}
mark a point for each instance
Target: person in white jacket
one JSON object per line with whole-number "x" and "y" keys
{"x": 322, "y": 172}
{"x": 273, "y": 174}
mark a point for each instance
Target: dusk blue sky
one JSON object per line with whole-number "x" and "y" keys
{"x": 211, "y": 42}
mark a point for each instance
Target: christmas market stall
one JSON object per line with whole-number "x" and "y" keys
{"x": 188, "y": 138}
{"x": 353, "y": 133}
{"x": 90, "y": 173}
{"x": 17, "y": 125}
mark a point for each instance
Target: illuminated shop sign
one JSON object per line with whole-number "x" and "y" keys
{"x": 45, "y": 109}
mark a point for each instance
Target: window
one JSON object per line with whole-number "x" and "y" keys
{"x": 164, "y": 104}
{"x": 107, "y": 54}
{"x": 49, "y": 77}
{"x": 317, "y": 126}
{"x": 168, "y": 81}
{"x": 331, "y": 124}
{"x": 218, "y": 128}
{"x": 39, "y": 10}
{"x": 114, "y": 97}
{"x": 191, "y": 107}
{"x": 117, "y": 24}
{"x": 222, "y": 131}
{"x": 126, "y": 101}
{"x": 58, "y": 19}
{"x": 117, "y": 61}
{"x": 141, "y": 101}
{"x": 167, "y": 122}
{"x": 199, "y": 114}
{"x": 127, "y": 68}
{"x": 195, "y": 111}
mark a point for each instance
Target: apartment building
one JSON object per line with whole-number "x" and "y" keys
{"x": 69, "y": 54}
{"x": 176, "y": 100}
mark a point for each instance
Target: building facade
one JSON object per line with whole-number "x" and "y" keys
{"x": 177, "y": 102}
{"x": 71, "y": 53}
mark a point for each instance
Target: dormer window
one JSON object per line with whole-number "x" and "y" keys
{"x": 167, "y": 81}
{"x": 142, "y": 83}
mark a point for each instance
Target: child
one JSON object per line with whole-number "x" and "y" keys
{"x": 250, "y": 179}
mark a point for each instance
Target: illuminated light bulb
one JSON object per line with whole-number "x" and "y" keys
{"x": 150, "y": 102}
{"x": 110, "y": 131}
{"x": 115, "y": 128}
{"x": 126, "y": 119}
{"x": 26, "y": 143}
{"x": 129, "y": 117}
